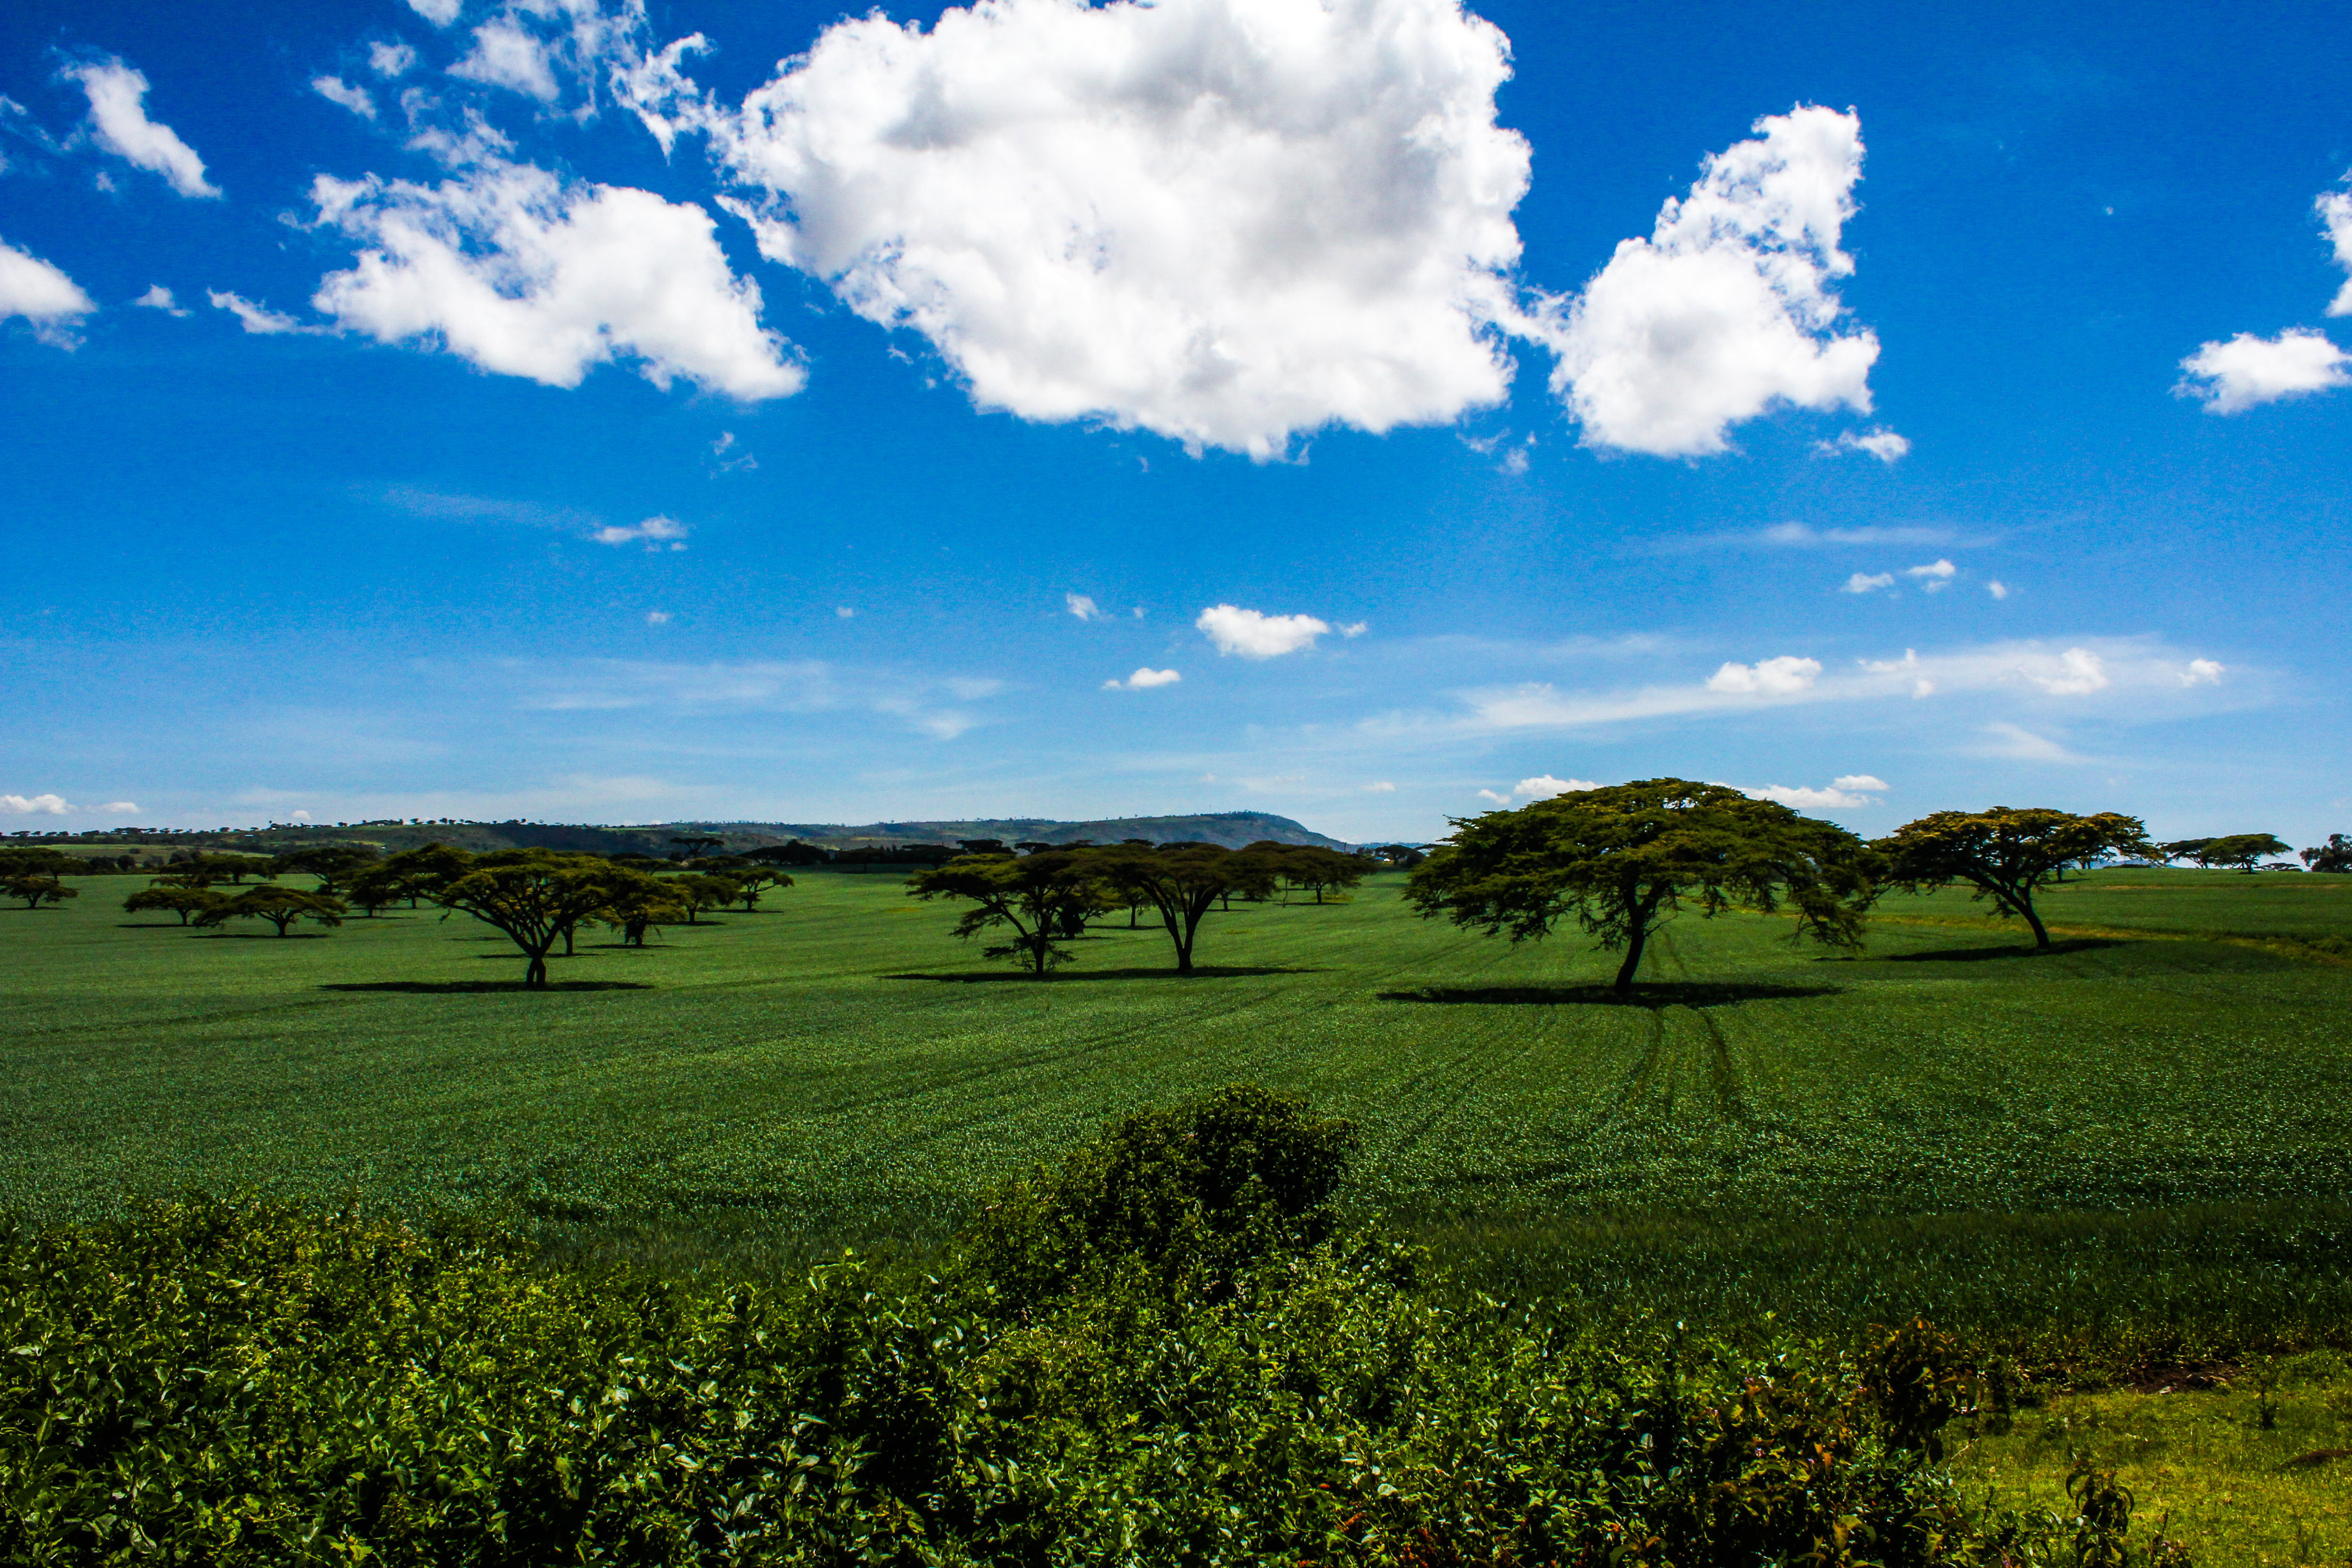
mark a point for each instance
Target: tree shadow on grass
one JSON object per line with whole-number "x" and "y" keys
{"x": 1199, "y": 972}
{"x": 1670, "y": 994}
{"x": 261, "y": 935}
{"x": 2008, "y": 951}
{"x": 459, "y": 987}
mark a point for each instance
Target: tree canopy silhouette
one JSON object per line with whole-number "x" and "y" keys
{"x": 2006, "y": 853}
{"x": 1622, "y": 859}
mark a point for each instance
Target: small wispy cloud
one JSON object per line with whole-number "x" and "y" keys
{"x": 1143, "y": 679}
{"x": 1254, "y": 634}
{"x": 159, "y": 298}
{"x": 1882, "y": 444}
{"x": 258, "y": 319}
{"x": 1844, "y": 793}
{"x": 1082, "y": 607}
{"x": 1542, "y": 786}
{"x": 1868, "y": 582}
{"x": 1784, "y": 676}
{"x": 1933, "y": 577}
{"x": 335, "y": 89}
{"x": 656, "y": 533}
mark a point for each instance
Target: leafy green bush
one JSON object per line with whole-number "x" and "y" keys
{"x": 1161, "y": 1351}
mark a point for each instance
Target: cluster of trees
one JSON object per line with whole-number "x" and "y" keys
{"x": 1045, "y": 896}
{"x": 36, "y": 875}
{"x": 2240, "y": 850}
{"x": 537, "y": 897}
{"x": 1620, "y": 860}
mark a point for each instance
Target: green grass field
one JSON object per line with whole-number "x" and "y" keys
{"x": 2134, "y": 1148}
{"x": 837, "y": 1056}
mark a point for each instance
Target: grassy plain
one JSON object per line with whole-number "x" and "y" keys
{"x": 837, "y": 1061}
{"x": 2133, "y": 1149}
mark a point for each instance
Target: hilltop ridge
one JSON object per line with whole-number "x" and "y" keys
{"x": 1232, "y": 829}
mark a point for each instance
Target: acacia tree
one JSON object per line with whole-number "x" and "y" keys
{"x": 1313, "y": 867}
{"x": 35, "y": 889}
{"x": 1624, "y": 858}
{"x": 2335, "y": 855}
{"x": 754, "y": 880}
{"x": 537, "y": 896}
{"x": 698, "y": 892}
{"x": 637, "y": 908}
{"x": 412, "y": 874}
{"x": 2241, "y": 849}
{"x": 1182, "y": 881}
{"x": 2006, "y": 853}
{"x": 282, "y": 906}
{"x": 331, "y": 864}
{"x": 182, "y": 902}
{"x": 1038, "y": 897}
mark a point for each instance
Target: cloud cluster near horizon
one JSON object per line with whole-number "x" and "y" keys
{"x": 52, "y": 805}
{"x": 2031, "y": 670}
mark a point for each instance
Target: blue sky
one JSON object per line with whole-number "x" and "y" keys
{"x": 1968, "y": 431}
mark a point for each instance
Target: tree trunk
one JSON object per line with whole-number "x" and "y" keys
{"x": 534, "y": 977}
{"x": 1634, "y": 942}
{"x": 567, "y": 941}
{"x": 2041, "y": 935}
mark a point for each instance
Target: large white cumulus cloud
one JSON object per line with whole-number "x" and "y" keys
{"x": 1728, "y": 307}
{"x": 1225, "y": 221}
{"x": 522, "y": 275}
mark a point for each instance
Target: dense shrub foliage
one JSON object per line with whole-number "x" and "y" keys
{"x": 1162, "y": 1350}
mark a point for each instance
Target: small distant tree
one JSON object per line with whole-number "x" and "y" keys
{"x": 37, "y": 889}
{"x": 1403, "y": 857}
{"x": 333, "y": 864}
{"x": 183, "y": 902}
{"x": 639, "y": 908}
{"x": 1182, "y": 881}
{"x": 697, "y": 892}
{"x": 753, "y": 880}
{"x": 2176, "y": 850}
{"x": 230, "y": 869}
{"x": 793, "y": 853}
{"x": 692, "y": 846}
{"x": 2006, "y": 853}
{"x": 984, "y": 846}
{"x": 1622, "y": 859}
{"x": 1322, "y": 871}
{"x": 2335, "y": 855}
{"x": 1038, "y": 898}
{"x": 412, "y": 874}
{"x": 537, "y": 896}
{"x": 282, "y": 906}
{"x": 2242, "y": 850}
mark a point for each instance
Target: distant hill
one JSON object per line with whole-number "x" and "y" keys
{"x": 1232, "y": 829}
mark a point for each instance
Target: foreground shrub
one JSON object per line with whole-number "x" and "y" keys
{"x": 1161, "y": 1351}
